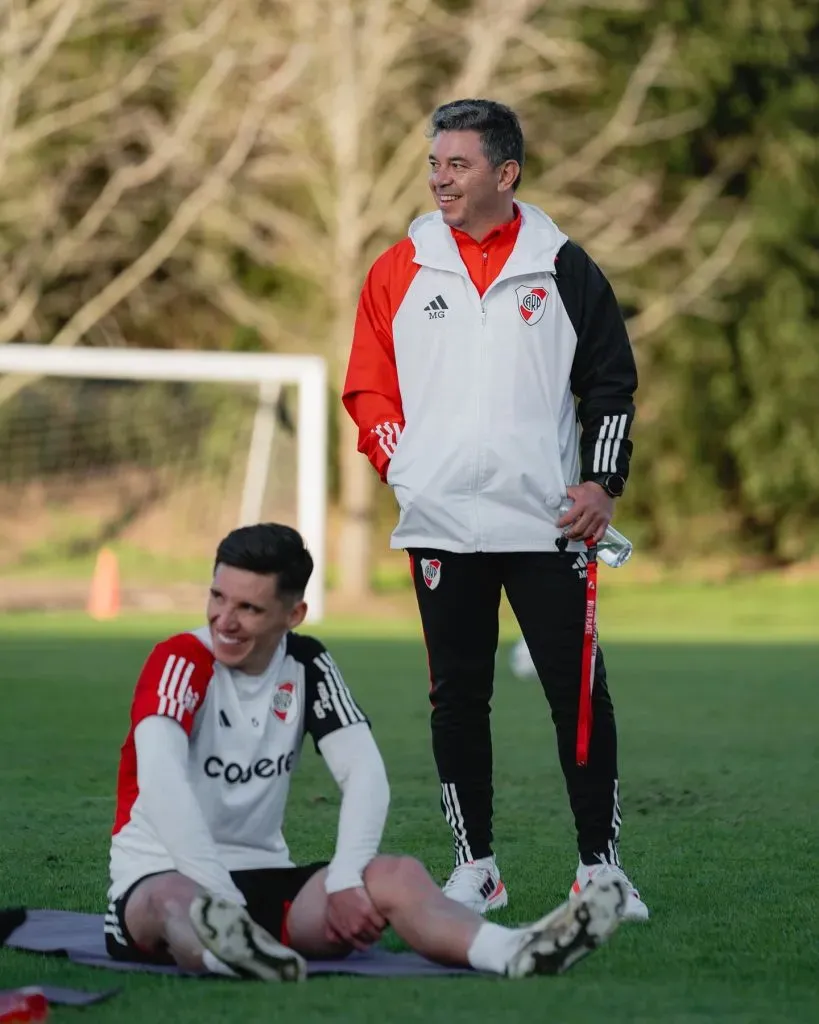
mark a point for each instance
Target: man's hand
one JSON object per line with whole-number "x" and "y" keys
{"x": 590, "y": 514}
{"x": 353, "y": 919}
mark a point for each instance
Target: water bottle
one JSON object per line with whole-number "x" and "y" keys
{"x": 614, "y": 549}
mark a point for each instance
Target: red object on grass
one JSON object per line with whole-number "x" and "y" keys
{"x": 26, "y": 1004}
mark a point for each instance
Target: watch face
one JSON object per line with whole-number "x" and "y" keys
{"x": 614, "y": 485}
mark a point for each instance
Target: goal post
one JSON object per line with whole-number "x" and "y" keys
{"x": 267, "y": 373}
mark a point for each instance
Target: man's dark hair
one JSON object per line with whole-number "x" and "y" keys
{"x": 497, "y": 125}
{"x": 269, "y": 548}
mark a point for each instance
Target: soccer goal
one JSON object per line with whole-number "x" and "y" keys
{"x": 157, "y": 454}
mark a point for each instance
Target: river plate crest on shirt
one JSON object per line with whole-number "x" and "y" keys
{"x": 285, "y": 706}
{"x": 531, "y": 303}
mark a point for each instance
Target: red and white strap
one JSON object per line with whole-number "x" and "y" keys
{"x": 584, "y": 716}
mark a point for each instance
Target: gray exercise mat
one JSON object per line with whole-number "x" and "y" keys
{"x": 10, "y": 919}
{"x": 80, "y": 937}
{"x": 58, "y": 996}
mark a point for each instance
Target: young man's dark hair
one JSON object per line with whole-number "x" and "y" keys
{"x": 268, "y": 548}
{"x": 497, "y": 125}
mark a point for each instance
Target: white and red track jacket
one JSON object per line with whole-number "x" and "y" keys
{"x": 465, "y": 399}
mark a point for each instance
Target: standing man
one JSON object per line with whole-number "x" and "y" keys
{"x": 473, "y": 339}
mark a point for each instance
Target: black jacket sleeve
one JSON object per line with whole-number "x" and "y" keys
{"x": 604, "y": 375}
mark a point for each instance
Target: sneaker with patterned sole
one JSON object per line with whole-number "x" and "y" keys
{"x": 556, "y": 942}
{"x": 477, "y": 885}
{"x": 635, "y": 909}
{"x": 229, "y": 932}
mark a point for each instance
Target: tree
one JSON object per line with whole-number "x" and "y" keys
{"x": 725, "y": 449}
{"x": 235, "y": 168}
{"x": 85, "y": 222}
{"x": 340, "y": 172}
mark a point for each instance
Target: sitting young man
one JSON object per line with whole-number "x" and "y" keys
{"x": 200, "y": 872}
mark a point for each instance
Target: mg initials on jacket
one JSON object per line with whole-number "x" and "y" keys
{"x": 436, "y": 310}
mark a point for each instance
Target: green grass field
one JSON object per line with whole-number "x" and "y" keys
{"x": 718, "y": 713}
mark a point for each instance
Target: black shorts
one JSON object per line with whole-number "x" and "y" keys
{"x": 269, "y": 893}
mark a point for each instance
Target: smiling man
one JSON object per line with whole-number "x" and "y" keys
{"x": 490, "y": 376}
{"x": 201, "y": 875}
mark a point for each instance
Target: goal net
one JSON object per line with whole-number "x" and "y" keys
{"x": 155, "y": 455}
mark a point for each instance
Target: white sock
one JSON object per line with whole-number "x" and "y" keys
{"x": 216, "y": 966}
{"x": 493, "y": 947}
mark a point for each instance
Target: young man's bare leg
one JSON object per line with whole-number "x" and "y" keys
{"x": 447, "y": 932}
{"x": 307, "y": 922}
{"x": 157, "y": 915}
{"x": 432, "y": 924}
{"x": 205, "y": 934}
{"x": 404, "y": 893}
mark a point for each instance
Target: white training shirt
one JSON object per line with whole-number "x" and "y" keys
{"x": 245, "y": 735}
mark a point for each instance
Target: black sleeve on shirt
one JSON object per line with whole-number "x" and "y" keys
{"x": 604, "y": 375}
{"x": 329, "y": 703}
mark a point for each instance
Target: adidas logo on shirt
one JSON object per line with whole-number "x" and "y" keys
{"x": 436, "y": 310}
{"x": 580, "y": 564}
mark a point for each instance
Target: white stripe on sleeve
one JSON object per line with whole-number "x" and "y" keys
{"x": 343, "y": 691}
{"x": 388, "y": 435}
{"x": 604, "y": 462}
{"x": 332, "y": 692}
{"x": 173, "y": 687}
{"x": 163, "y": 684}
{"x": 599, "y": 443}
{"x": 615, "y": 451}
{"x": 183, "y": 691}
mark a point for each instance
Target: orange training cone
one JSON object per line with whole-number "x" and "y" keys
{"x": 103, "y": 601}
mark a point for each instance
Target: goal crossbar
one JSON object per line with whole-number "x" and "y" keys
{"x": 266, "y": 371}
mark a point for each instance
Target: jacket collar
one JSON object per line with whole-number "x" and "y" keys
{"x": 539, "y": 242}
{"x": 502, "y": 235}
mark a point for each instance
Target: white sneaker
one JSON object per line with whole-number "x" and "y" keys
{"x": 229, "y": 932}
{"x": 635, "y": 910}
{"x": 478, "y": 885}
{"x": 556, "y": 942}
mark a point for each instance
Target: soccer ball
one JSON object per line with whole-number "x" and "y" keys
{"x": 520, "y": 661}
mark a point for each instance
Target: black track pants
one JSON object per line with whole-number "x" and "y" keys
{"x": 458, "y": 598}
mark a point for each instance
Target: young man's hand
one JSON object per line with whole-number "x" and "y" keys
{"x": 590, "y": 514}
{"x": 353, "y": 919}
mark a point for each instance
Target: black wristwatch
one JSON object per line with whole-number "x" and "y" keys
{"x": 612, "y": 483}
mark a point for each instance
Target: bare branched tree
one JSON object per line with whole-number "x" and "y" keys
{"x": 340, "y": 171}
{"x": 108, "y": 151}
{"x": 138, "y": 136}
